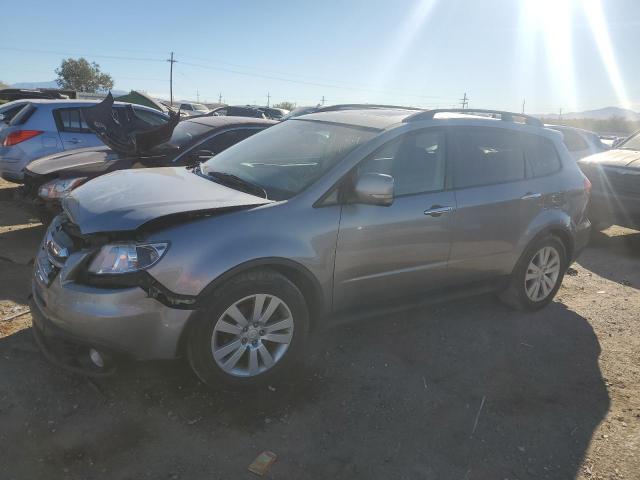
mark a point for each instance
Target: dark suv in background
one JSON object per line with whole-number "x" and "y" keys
{"x": 347, "y": 211}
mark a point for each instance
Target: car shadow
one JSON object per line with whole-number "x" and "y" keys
{"x": 604, "y": 254}
{"x": 464, "y": 390}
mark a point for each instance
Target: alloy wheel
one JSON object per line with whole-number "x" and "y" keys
{"x": 252, "y": 335}
{"x": 542, "y": 274}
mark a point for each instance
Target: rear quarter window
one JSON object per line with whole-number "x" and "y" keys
{"x": 486, "y": 156}
{"x": 541, "y": 154}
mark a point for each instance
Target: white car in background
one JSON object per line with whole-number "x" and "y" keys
{"x": 193, "y": 109}
{"x": 580, "y": 143}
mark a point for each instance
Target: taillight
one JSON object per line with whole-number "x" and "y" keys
{"x": 20, "y": 136}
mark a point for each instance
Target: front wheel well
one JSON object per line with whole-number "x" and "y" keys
{"x": 302, "y": 279}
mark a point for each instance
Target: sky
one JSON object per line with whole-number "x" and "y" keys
{"x": 549, "y": 54}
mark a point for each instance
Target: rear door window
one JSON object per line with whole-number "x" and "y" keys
{"x": 70, "y": 120}
{"x": 541, "y": 155}
{"x": 486, "y": 156}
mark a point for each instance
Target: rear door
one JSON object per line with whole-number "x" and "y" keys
{"x": 74, "y": 132}
{"x": 496, "y": 201}
{"x": 399, "y": 251}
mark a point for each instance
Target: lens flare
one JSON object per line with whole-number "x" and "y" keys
{"x": 597, "y": 22}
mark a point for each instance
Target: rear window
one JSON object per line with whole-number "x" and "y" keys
{"x": 541, "y": 155}
{"x": 8, "y": 112}
{"x": 485, "y": 156}
{"x": 23, "y": 115}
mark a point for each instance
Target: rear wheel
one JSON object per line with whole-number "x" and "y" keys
{"x": 251, "y": 332}
{"x": 538, "y": 275}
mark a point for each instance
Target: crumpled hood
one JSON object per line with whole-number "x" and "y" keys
{"x": 126, "y": 199}
{"x": 613, "y": 158}
{"x": 85, "y": 159}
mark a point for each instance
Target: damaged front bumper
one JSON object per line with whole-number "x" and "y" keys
{"x": 119, "y": 320}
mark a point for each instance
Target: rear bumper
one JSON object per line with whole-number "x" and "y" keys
{"x": 582, "y": 235}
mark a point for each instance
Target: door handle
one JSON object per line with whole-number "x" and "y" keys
{"x": 531, "y": 196}
{"x": 74, "y": 140}
{"x": 438, "y": 210}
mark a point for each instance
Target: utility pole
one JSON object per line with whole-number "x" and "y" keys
{"x": 322, "y": 102}
{"x": 197, "y": 95}
{"x": 560, "y": 115}
{"x": 220, "y": 98}
{"x": 171, "y": 61}
{"x": 465, "y": 101}
{"x": 268, "y": 99}
{"x": 523, "y": 102}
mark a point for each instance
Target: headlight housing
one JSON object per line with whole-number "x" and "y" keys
{"x": 118, "y": 258}
{"x": 59, "y": 188}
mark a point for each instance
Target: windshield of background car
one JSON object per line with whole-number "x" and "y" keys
{"x": 184, "y": 133}
{"x": 288, "y": 157}
{"x": 632, "y": 143}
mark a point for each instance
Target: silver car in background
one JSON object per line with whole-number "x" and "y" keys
{"x": 579, "y": 142}
{"x": 45, "y": 127}
{"x": 345, "y": 212}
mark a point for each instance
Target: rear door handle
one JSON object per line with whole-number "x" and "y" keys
{"x": 438, "y": 210}
{"x": 74, "y": 140}
{"x": 531, "y": 196}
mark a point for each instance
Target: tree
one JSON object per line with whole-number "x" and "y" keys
{"x": 82, "y": 76}
{"x": 3, "y": 85}
{"x": 285, "y": 105}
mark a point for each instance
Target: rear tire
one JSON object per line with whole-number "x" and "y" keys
{"x": 537, "y": 276}
{"x": 251, "y": 332}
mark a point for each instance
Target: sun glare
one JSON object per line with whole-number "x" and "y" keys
{"x": 548, "y": 24}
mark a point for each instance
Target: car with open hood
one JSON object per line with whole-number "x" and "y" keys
{"x": 343, "y": 213}
{"x": 615, "y": 176}
{"x": 131, "y": 146}
{"x": 46, "y": 127}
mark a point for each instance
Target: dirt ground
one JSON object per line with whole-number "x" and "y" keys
{"x": 466, "y": 390}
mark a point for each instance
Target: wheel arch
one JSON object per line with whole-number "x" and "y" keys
{"x": 298, "y": 274}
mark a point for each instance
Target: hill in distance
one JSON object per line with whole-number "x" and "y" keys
{"x": 599, "y": 114}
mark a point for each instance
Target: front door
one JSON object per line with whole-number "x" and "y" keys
{"x": 400, "y": 251}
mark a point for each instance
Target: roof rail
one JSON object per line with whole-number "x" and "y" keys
{"x": 504, "y": 116}
{"x": 362, "y": 106}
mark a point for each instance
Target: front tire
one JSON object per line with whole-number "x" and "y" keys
{"x": 537, "y": 276}
{"x": 251, "y": 331}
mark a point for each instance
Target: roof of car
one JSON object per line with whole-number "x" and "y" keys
{"x": 223, "y": 121}
{"x": 384, "y": 117}
{"x": 75, "y": 102}
{"x": 379, "y": 118}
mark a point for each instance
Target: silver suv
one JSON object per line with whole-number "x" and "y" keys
{"x": 343, "y": 212}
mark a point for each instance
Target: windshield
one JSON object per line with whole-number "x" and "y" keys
{"x": 632, "y": 143}
{"x": 199, "y": 106}
{"x": 288, "y": 157}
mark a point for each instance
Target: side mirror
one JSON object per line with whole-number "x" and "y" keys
{"x": 374, "y": 189}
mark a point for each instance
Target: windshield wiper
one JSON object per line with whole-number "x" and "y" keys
{"x": 233, "y": 180}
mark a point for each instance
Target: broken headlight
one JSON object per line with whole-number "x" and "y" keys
{"x": 59, "y": 188}
{"x": 118, "y": 258}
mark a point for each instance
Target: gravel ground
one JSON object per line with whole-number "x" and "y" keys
{"x": 466, "y": 390}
